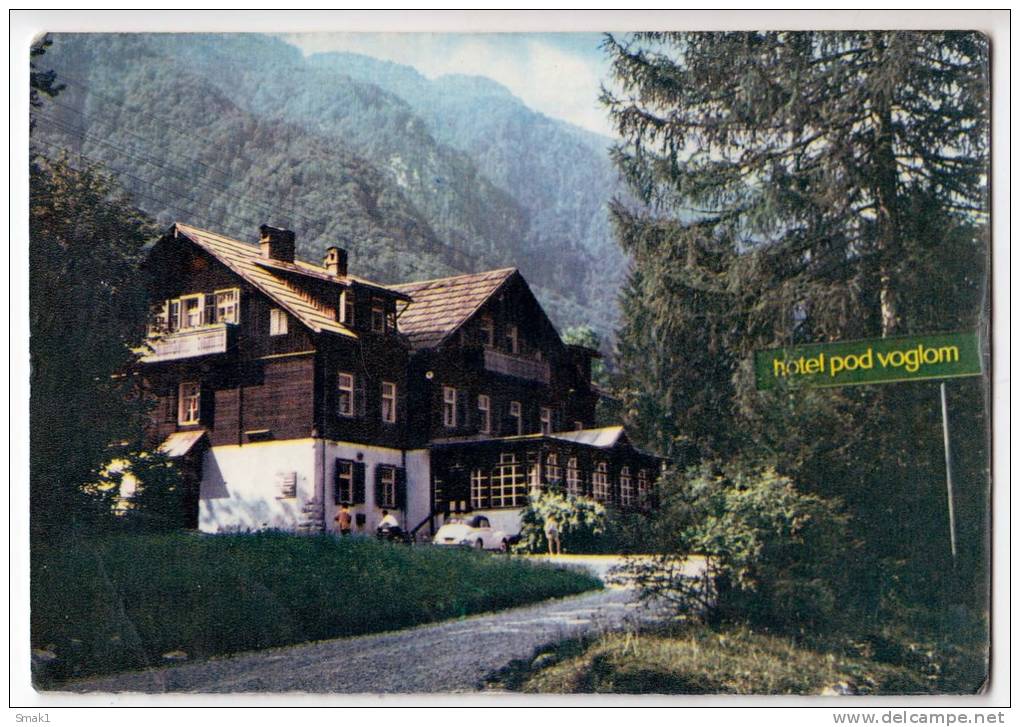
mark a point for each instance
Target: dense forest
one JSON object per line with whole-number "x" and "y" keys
{"x": 417, "y": 178}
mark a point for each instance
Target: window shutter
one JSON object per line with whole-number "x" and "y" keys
{"x": 359, "y": 396}
{"x": 378, "y": 485}
{"x": 359, "y": 483}
{"x": 206, "y": 405}
{"x": 336, "y": 481}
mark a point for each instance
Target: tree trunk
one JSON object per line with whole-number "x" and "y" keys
{"x": 888, "y": 242}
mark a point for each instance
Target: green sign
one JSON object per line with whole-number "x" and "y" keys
{"x": 875, "y": 361}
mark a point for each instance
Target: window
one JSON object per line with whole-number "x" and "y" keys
{"x": 508, "y": 482}
{"x": 535, "y": 478}
{"x": 512, "y": 344}
{"x": 387, "y": 487}
{"x": 344, "y": 484}
{"x": 545, "y": 419}
{"x": 600, "y": 482}
{"x": 573, "y": 477}
{"x": 553, "y": 471}
{"x": 188, "y": 402}
{"x": 192, "y": 310}
{"x": 378, "y": 316}
{"x": 346, "y": 308}
{"x": 345, "y": 394}
{"x": 227, "y": 305}
{"x": 484, "y": 414}
{"x": 174, "y": 320}
{"x": 391, "y": 320}
{"x": 626, "y": 487}
{"x": 486, "y": 332}
{"x": 515, "y": 414}
{"x": 389, "y": 402}
{"x": 277, "y": 322}
{"x": 449, "y": 407}
{"x": 479, "y": 489}
{"x": 642, "y": 486}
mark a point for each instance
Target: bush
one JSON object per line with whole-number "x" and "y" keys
{"x": 774, "y": 555}
{"x": 580, "y": 520}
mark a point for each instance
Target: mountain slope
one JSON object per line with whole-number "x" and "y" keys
{"x": 232, "y": 131}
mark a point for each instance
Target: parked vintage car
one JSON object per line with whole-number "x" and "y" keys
{"x": 474, "y": 532}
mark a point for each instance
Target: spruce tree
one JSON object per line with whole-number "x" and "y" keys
{"x": 800, "y": 187}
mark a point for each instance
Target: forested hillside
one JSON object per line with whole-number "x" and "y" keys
{"x": 417, "y": 178}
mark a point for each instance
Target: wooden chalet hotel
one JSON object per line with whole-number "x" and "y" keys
{"x": 286, "y": 389}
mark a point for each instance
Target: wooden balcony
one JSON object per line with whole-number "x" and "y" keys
{"x": 522, "y": 368}
{"x": 188, "y": 344}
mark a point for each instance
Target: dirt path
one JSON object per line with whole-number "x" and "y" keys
{"x": 450, "y": 656}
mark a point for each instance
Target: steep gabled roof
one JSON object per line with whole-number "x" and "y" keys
{"x": 247, "y": 261}
{"x": 439, "y": 307}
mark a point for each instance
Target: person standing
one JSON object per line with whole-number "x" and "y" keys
{"x": 343, "y": 519}
{"x": 552, "y": 536}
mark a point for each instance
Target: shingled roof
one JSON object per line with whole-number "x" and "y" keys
{"x": 246, "y": 260}
{"x": 439, "y": 307}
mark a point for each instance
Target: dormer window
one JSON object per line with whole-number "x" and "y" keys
{"x": 512, "y": 342}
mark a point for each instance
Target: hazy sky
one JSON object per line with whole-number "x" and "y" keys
{"x": 557, "y": 74}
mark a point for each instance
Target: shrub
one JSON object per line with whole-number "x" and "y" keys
{"x": 774, "y": 555}
{"x": 580, "y": 520}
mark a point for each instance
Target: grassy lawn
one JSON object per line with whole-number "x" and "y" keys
{"x": 128, "y": 601}
{"x": 699, "y": 660}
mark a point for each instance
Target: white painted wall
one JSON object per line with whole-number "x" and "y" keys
{"x": 371, "y": 456}
{"x": 419, "y": 484}
{"x": 241, "y": 485}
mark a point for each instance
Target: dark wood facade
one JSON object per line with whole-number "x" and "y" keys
{"x": 256, "y": 348}
{"x": 274, "y": 387}
{"x": 483, "y": 474}
{"x": 474, "y": 361}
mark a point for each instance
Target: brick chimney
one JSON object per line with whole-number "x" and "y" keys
{"x": 276, "y": 244}
{"x": 335, "y": 261}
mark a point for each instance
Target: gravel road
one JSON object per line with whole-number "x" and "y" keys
{"x": 449, "y": 656}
